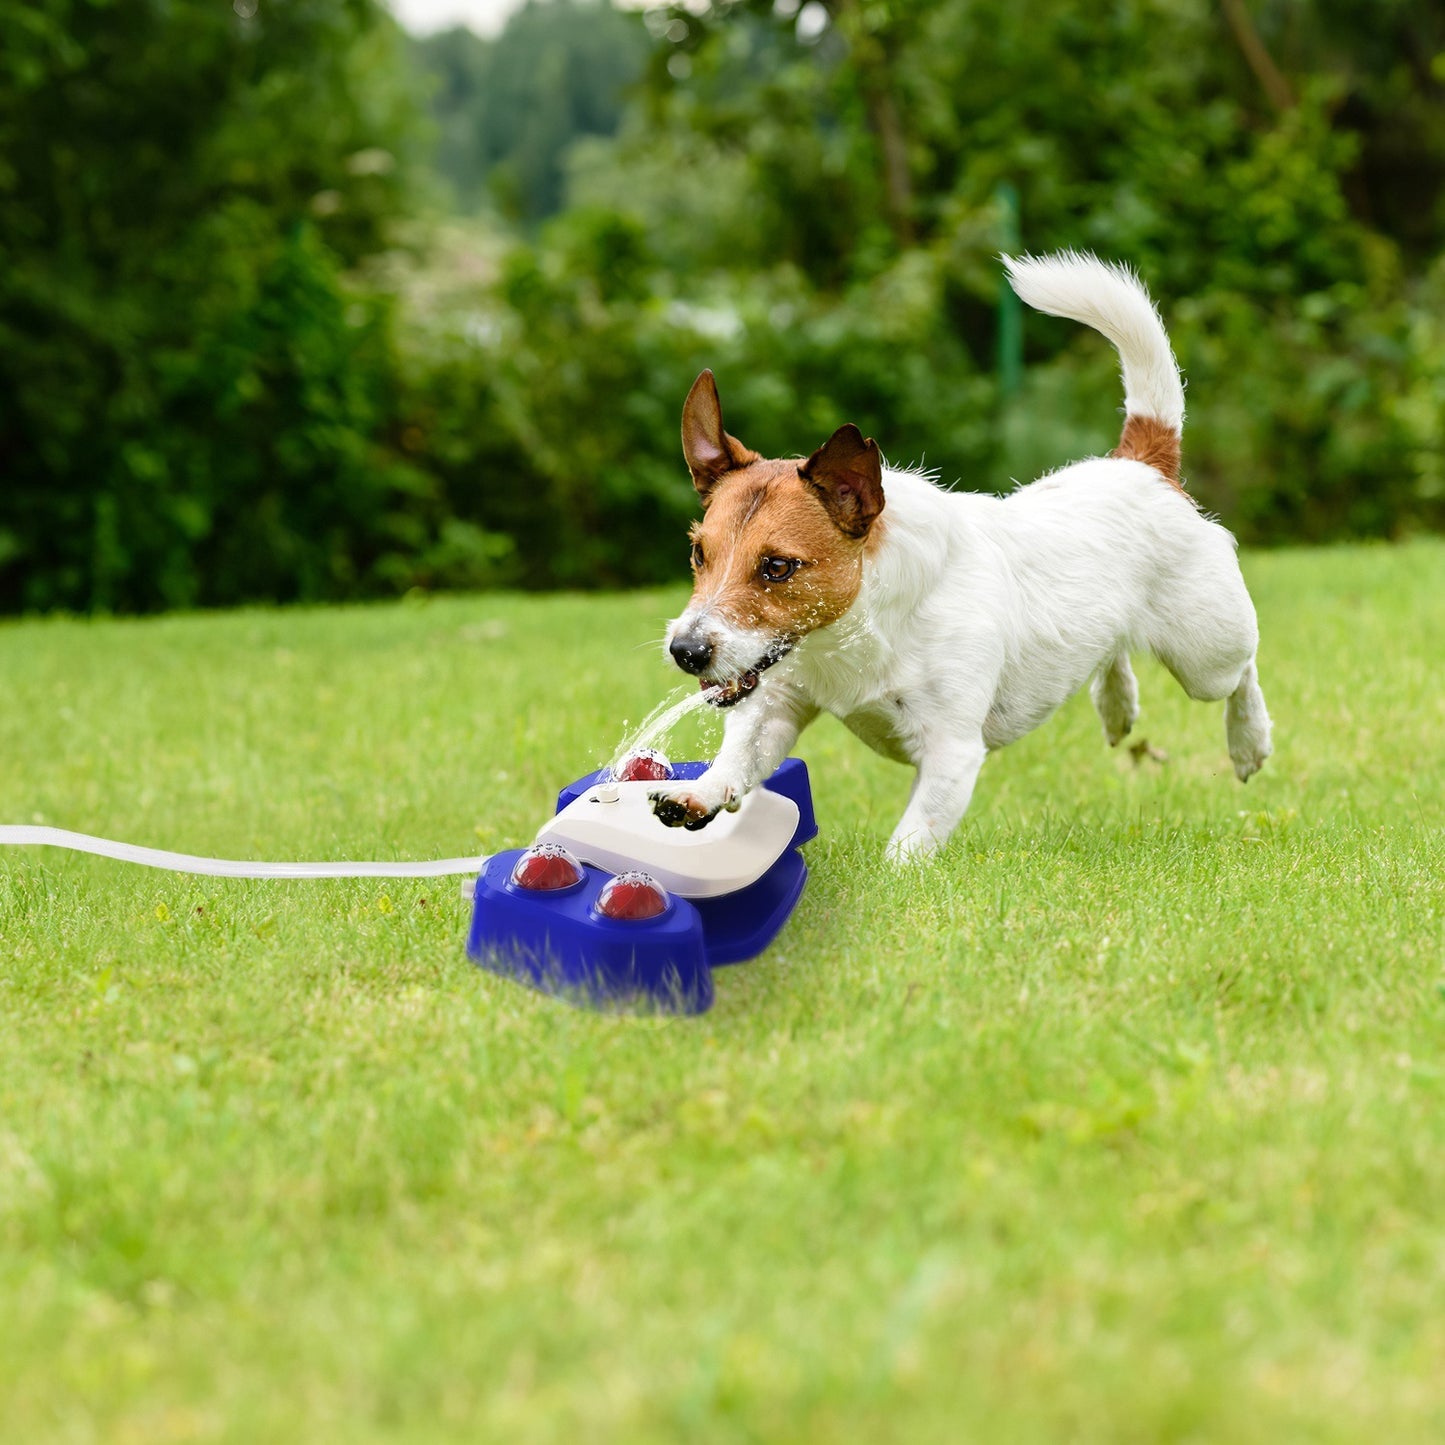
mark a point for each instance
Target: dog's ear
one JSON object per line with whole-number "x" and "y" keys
{"x": 846, "y": 475}
{"x": 711, "y": 453}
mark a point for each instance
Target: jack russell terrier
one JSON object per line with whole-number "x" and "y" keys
{"x": 942, "y": 625}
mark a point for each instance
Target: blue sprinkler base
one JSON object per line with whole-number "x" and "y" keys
{"x": 557, "y": 942}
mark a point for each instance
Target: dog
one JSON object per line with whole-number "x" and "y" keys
{"x": 940, "y": 626}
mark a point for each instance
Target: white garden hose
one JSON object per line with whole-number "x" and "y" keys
{"x": 21, "y": 834}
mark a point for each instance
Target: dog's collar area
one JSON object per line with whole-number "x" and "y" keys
{"x": 732, "y": 692}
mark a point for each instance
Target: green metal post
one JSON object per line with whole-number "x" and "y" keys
{"x": 1010, "y": 308}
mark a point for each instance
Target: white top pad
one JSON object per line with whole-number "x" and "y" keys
{"x": 734, "y": 850}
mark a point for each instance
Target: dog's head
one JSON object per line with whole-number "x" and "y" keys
{"x": 779, "y": 550}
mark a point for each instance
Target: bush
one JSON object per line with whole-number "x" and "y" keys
{"x": 213, "y": 388}
{"x": 193, "y": 407}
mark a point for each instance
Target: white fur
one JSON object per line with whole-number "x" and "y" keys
{"x": 979, "y": 615}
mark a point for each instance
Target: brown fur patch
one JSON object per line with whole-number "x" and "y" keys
{"x": 767, "y": 510}
{"x": 1155, "y": 443}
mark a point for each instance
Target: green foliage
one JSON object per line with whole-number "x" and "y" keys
{"x": 193, "y": 408}
{"x": 228, "y": 369}
{"x": 506, "y": 110}
{"x": 538, "y": 401}
{"x": 1137, "y": 131}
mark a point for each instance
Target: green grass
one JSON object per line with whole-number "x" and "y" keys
{"x": 1124, "y": 1122}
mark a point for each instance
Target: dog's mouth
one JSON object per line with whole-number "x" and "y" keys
{"x": 735, "y": 689}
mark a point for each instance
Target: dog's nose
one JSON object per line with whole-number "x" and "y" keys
{"x": 691, "y": 653}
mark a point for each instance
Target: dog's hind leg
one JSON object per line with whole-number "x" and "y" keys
{"x": 1246, "y": 718}
{"x": 1247, "y": 725}
{"x": 1116, "y": 697}
{"x": 1207, "y": 639}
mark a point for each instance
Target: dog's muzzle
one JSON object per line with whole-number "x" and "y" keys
{"x": 732, "y": 692}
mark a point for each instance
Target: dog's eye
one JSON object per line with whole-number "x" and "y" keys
{"x": 697, "y": 554}
{"x": 777, "y": 569}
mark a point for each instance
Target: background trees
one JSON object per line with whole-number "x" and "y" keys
{"x": 244, "y": 353}
{"x": 193, "y": 406}
{"x": 508, "y": 109}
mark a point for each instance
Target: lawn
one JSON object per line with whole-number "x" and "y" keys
{"x": 1125, "y": 1121}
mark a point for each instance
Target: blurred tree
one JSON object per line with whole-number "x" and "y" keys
{"x": 1385, "y": 63}
{"x": 507, "y": 109}
{"x": 191, "y": 405}
{"x": 1208, "y": 143}
{"x": 545, "y": 405}
{"x": 210, "y": 389}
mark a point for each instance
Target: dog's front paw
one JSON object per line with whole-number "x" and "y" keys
{"x": 906, "y": 849}
{"x": 690, "y": 806}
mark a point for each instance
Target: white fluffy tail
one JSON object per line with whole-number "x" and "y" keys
{"x": 1113, "y": 300}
